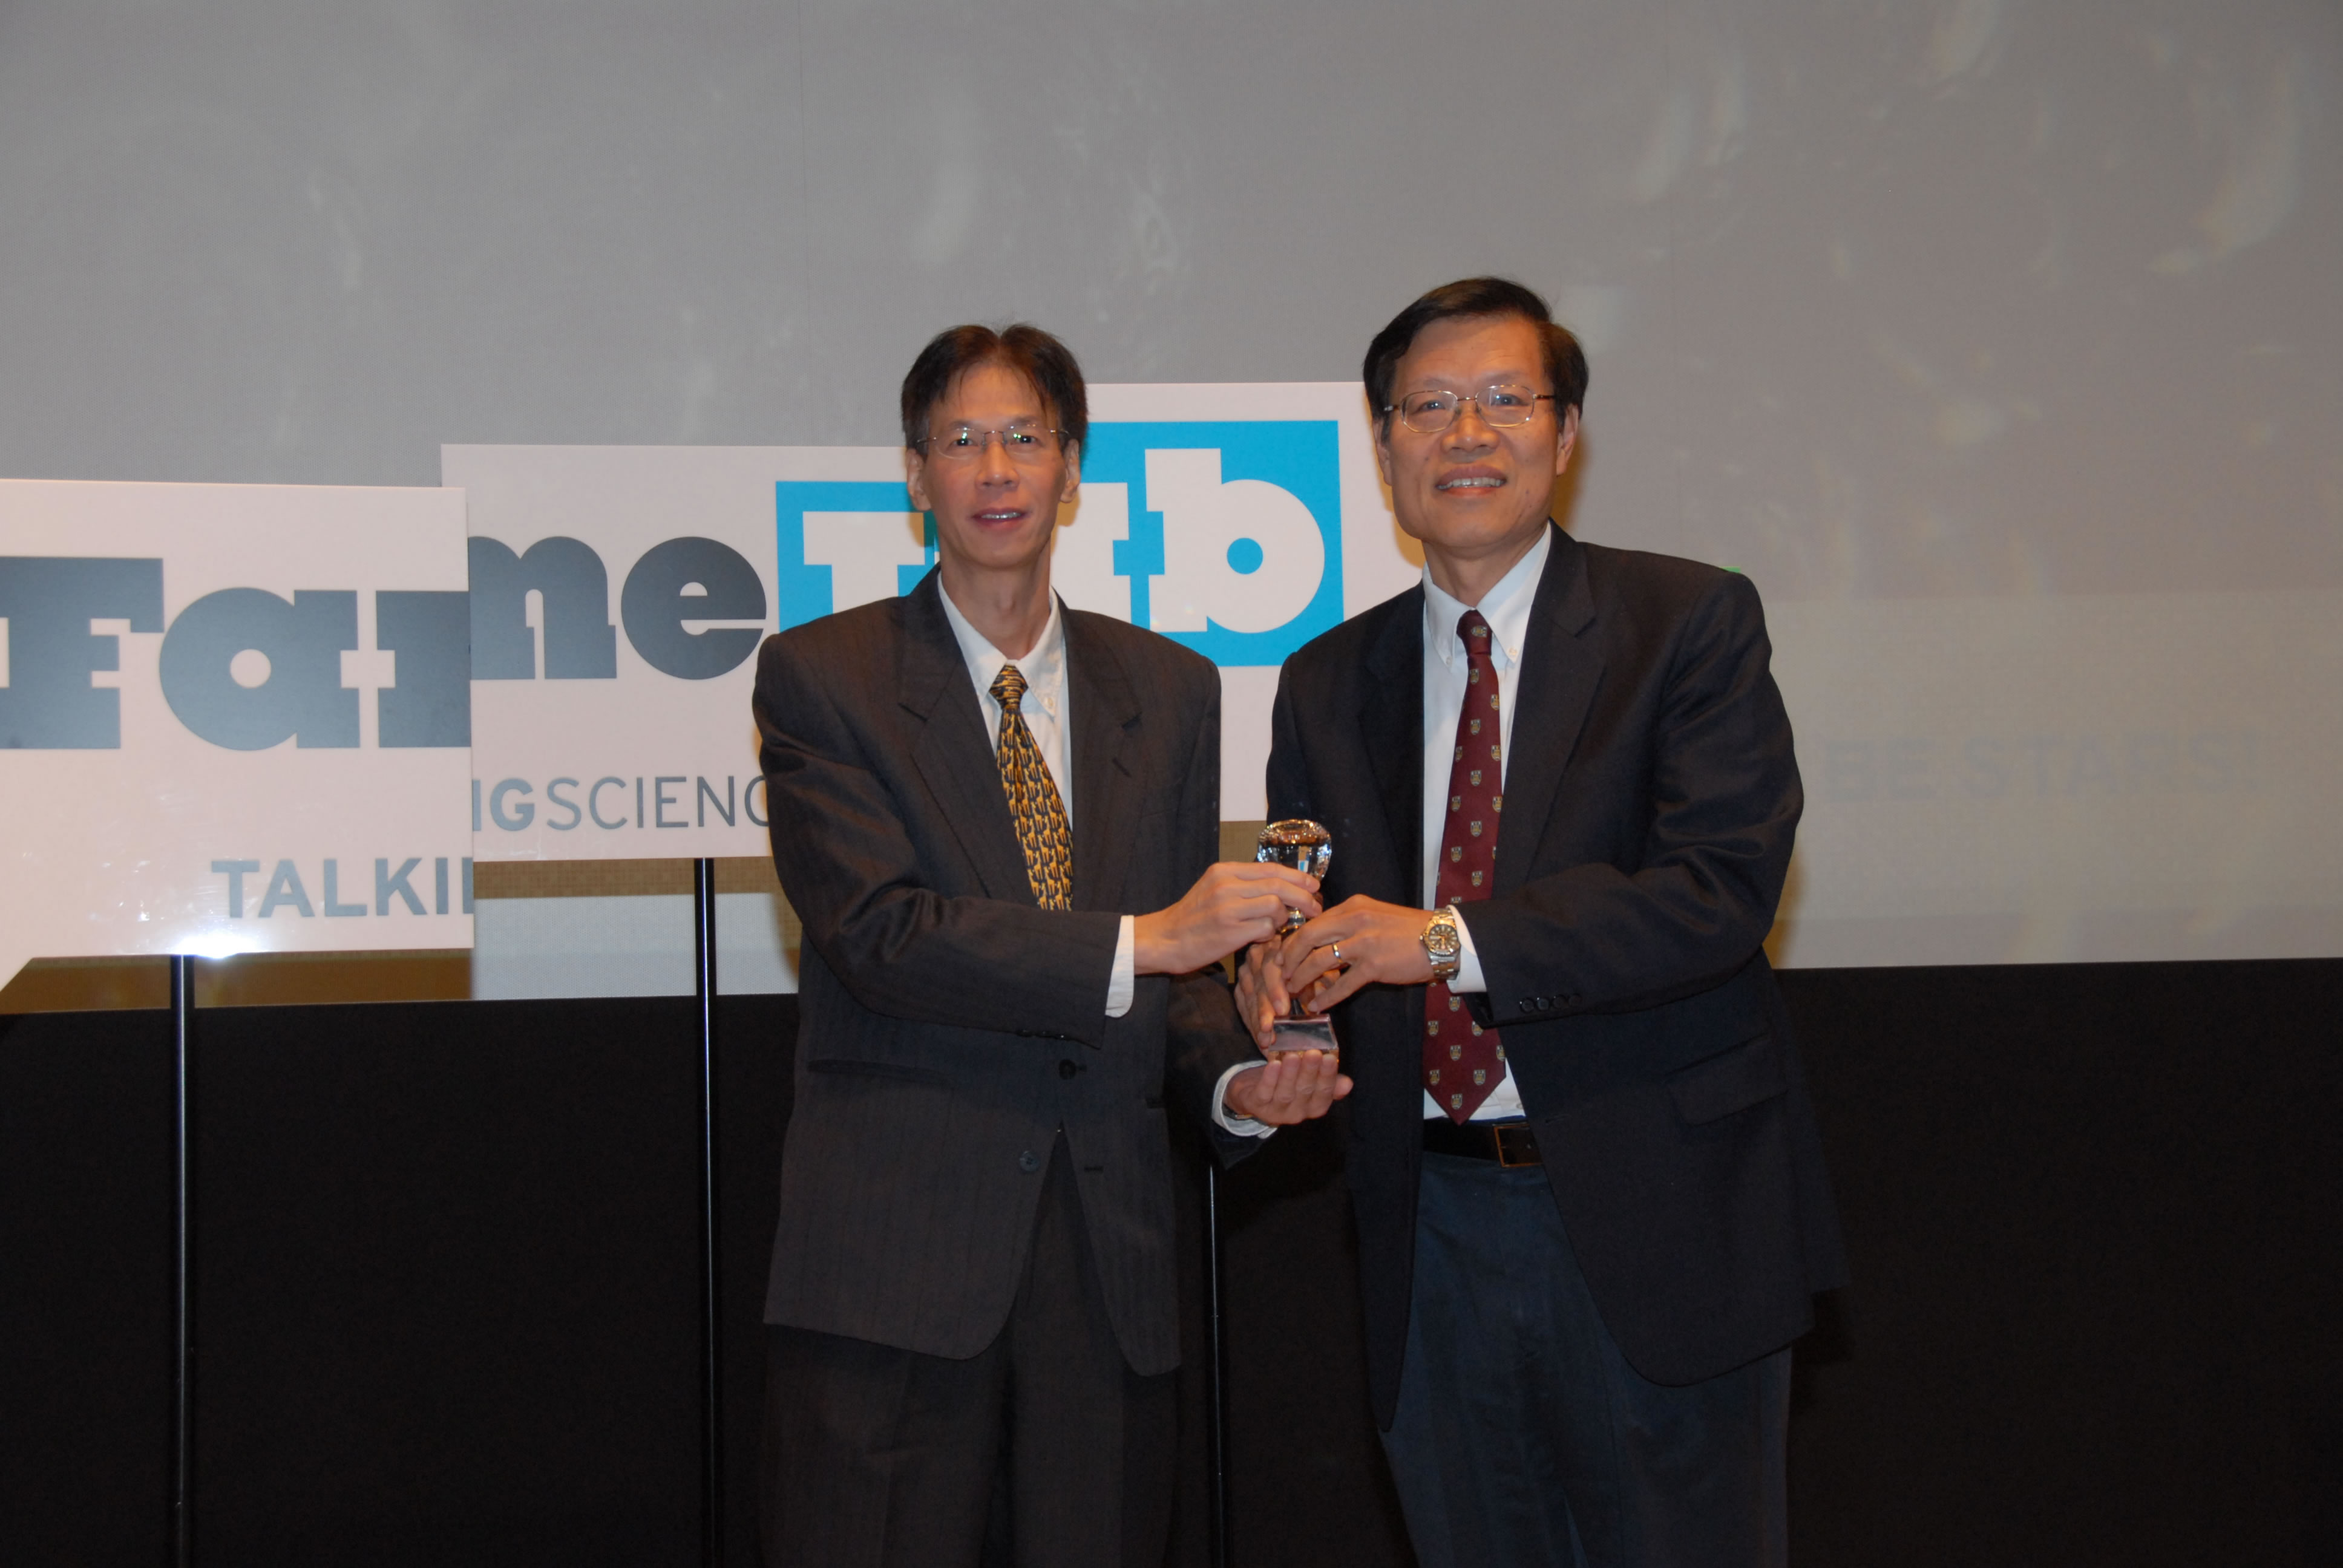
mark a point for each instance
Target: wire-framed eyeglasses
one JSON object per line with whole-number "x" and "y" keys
{"x": 1501, "y": 404}
{"x": 965, "y": 443}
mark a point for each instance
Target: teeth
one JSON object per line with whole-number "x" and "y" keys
{"x": 1471, "y": 484}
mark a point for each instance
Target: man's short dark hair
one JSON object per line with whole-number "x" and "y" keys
{"x": 1046, "y": 363}
{"x": 1566, "y": 362}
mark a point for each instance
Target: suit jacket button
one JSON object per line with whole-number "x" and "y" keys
{"x": 1067, "y": 1069}
{"x": 1525, "y": 1004}
{"x": 1029, "y": 1162}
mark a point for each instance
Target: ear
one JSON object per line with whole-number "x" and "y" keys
{"x": 1382, "y": 447}
{"x": 915, "y": 478}
{"x": 1566, "y": 442}
{"x": 1073, "y": 472}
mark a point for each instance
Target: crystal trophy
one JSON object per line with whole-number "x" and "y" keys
{"x": 1306, "y": 847}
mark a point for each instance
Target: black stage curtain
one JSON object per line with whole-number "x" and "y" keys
{"x": 447, "y": 1251}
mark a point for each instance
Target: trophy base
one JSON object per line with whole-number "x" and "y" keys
{"x": 1303, "y": 1034}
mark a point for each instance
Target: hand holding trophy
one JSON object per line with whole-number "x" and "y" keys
{"x": 1306, "y": 847}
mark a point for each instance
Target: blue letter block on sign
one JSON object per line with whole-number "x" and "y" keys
{"x": 654, "y": 606}
{"x": 431, "y": 633}
{"x": 303, "y": 695}
{"x": 48, "y": 602}
{"x": 581, "y": 643}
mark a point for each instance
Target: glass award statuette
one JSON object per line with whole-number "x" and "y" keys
{"x": 1307, "y": 848}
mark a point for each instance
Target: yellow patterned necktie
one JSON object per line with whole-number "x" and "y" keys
{"x": 1033, "y": 800}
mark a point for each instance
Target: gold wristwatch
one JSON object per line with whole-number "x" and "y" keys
{"x": 1444, "y": 942}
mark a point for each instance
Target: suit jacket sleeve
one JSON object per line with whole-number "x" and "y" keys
{"x": 1720, "y": 807}
{"x": 854, "y": 875}
{"x": 1206, "y": 1036}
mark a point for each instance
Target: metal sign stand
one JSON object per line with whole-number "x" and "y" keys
{"x": 183, "y": 1323}
{"x": 712, "y": 1435}
{"x": 1216, "y": 1380}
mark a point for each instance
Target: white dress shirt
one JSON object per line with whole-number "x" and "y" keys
{"x": 1506, "y": 608}
{"x": 1049, "y": 716}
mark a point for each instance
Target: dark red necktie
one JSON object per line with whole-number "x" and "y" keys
{"x": 1464, "y": 1063}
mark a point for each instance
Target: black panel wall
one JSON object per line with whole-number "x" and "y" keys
{"x": 448, "y": 1253}
{"x": 86, "y": 1347}
{"x": 2096, "y": 1220}
{"x": 447, "y": 1298}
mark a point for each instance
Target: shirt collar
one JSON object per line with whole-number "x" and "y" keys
{"x": 1044, "y": 668}
{"x": 1506, "y": 607}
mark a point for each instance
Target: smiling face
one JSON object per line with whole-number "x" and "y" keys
{"x": 1475, "y": 495}
{"x": 993, "y": 513}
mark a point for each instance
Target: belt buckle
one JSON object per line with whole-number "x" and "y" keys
{"x": 1523, "y": 1135}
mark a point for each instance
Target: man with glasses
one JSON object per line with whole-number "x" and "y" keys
{"x": 1590, "y": 1206}
{"x": 997, "y": 817}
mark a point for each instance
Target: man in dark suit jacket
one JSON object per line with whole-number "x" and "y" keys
{"x": 1590, "y": 1200}
{"x": 972, "y": 1308}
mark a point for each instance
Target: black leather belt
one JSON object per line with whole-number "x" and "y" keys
{"x": 1505, "y": 1142}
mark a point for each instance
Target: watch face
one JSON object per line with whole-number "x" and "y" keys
{"x": 1441, "y": 940}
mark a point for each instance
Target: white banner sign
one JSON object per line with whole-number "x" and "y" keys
{"x": 232, "y": 719}
{"x": 618, "y": 593}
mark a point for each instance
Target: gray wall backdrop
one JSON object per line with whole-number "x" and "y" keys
{"x": 1943, "y": 308}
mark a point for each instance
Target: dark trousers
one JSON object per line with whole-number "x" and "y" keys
{"x": 1524, "y": 1438}
{"x": 1043, "y": 1450}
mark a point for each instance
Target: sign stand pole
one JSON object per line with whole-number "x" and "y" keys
{"x": 1216, "y": 1395}
{"x": 183, "y": 1323}
{"x": 712, "y": 1437}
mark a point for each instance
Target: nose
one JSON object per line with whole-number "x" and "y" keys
{"x": 1468, "y": 431}
{"x": 993, "y": 464}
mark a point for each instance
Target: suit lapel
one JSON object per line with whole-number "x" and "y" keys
{"x": 1105, "y": 716}
{"x": 1391, "y": 725}
{"x": 1560, "y": 672}
{"x": 952, "y": 752}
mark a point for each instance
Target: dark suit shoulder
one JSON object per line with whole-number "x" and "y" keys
{"x": 1140, "y": 645}
{"x": 855, "y": 655}
{"x": 1145, "y": 656}
{"x": 1649, "y": 578}
{"x": 1331, "y": 654}
{"x": 850, "y": 634}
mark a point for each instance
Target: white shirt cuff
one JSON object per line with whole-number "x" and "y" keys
{"x": 1468, "y": 963}
{"x": 1123, "y": 983}
{"x": 1241, "y": 1126}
